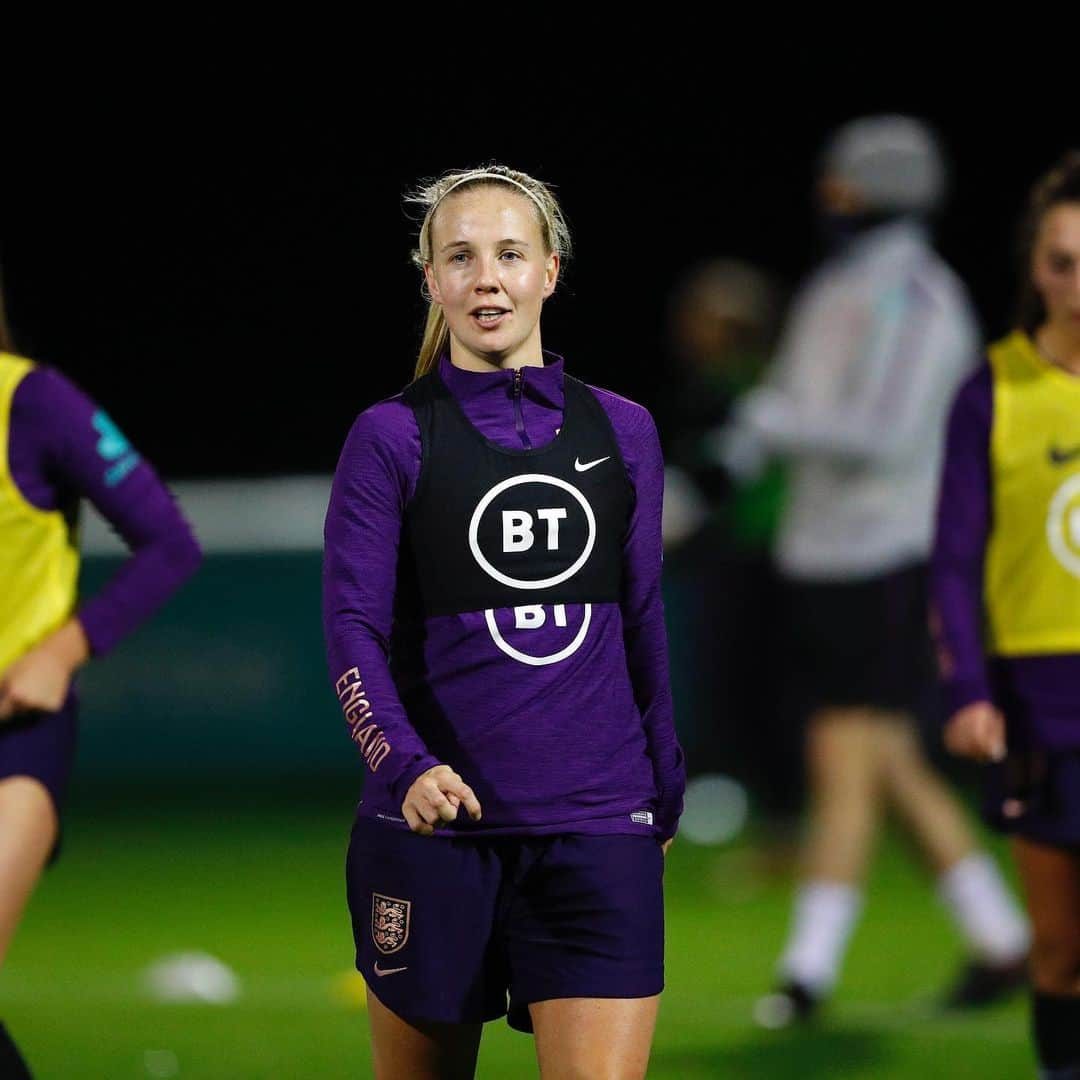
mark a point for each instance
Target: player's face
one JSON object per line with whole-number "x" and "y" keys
{"x": 491, "y": 273}
{"x": 1055, "y": 266}
{"x": 836, "y": 195}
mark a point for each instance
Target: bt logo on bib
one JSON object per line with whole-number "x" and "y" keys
{"x": 532, "y": 531}
{"x": 518, "y": 528}
{"x": 1063, "y": 524}
{"x": 539, "y": 634}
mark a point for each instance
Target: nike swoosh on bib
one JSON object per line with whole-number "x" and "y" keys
{"x": 1063, "y": 457}
{"x": 589, "y": 464}
{"x": 389, "y": 971}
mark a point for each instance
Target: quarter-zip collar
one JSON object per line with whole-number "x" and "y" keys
{"x": 494, "y": 390}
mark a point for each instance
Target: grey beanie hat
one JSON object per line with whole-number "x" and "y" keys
{"x": 893, "y": 161}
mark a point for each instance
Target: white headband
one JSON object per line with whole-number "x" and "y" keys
{"x": 482, "y": 174}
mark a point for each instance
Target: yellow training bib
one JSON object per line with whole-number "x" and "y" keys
{"x": 1032, "y": 577}
{"x": 39, "y": 558}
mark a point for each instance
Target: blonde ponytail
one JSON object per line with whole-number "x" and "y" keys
{"x": 428, "y": 196}
{"x": 436, "y": 336}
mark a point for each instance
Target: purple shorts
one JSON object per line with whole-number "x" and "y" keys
{"x": 447, "y": 928}
{"x": 1047, "y": 784}
{"x": 42, "y": 745}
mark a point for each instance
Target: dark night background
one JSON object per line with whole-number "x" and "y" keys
{"x": 223, "y": 260}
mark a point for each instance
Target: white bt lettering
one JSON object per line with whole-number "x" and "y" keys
{"x": 533, "y": 616}
{"x": 529, "y": 617}
{"x": 552, "y": 515}
{"x": 517, "y": 530}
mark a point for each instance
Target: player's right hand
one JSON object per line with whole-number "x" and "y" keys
{"x": 977, "y": 731}
{"x": 434, "y": 799}
{"x": 36, "y": 682}
{"x": 39, "y": 680}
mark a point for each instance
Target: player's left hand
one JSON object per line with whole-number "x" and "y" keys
{"x": 977, "y": 731}
{"x": 39, "y": 680}
{"x": 666, "y": 845}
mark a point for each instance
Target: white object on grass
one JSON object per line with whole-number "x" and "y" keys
{"x": 161, "y": 1063}
{"x": 715, "y": 809}
{"x": 192, "y": 976}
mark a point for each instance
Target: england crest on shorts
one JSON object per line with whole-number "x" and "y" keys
{"x": 389, "y": 922}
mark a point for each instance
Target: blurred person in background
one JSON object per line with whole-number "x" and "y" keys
{"x": 495, "y": 633}
{"x": 719, "y": 580}
{"x": 873, "y": 350}
{"x": 1006, "y": 594}
{"x": 57, "y": 447}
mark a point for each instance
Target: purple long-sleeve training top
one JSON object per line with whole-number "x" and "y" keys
{"x": 578, "y": 745}
{"x": 62, "y": 446}
{"x": 1040, "y": 694}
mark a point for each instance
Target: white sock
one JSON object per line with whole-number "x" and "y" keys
{"x": 822, "y": 921}
{"x": 979, "y": 900}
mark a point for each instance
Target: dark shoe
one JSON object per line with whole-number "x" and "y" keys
{"x": 791, "y": 1004}
{"x": 983, "y": 984}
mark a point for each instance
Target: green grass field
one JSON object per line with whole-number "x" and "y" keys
{"x": 258, "y": 882}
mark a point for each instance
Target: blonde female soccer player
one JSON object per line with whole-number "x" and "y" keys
{"x": 496, "y": 639}
{"x": 1006, "y": 583}
{"x": 56, "y": 447}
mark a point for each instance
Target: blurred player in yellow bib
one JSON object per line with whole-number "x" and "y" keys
{"x": 57, "y": 446}
{"x": 1006, "y": 585}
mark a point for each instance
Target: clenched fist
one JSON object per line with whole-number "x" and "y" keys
{"x": 39, "y": 679}
{"x": 977, "y": 731}
{"x": 434, "y": 799}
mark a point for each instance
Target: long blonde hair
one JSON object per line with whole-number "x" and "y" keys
{"x": 553, "y": 227}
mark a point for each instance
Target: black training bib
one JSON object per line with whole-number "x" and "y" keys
{"x": 490, "y": 527}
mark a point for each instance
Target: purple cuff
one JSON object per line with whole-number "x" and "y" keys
{"x": 409, "y": 775}
{"x": 965, "y": 691}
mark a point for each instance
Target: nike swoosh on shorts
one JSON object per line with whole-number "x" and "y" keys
{"x": 389, "y": 971}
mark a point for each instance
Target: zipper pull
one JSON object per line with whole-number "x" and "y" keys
{"x": 519, "y": 417}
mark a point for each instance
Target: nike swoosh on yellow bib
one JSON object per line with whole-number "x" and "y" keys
{"x": 1063, "y": 457}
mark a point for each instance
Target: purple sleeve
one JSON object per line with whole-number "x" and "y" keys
{"x": 644, "y": 632}
{"x": 963, "y": 527}
{"x": 374, "y": 479}
{"x": 63, "y": 446}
